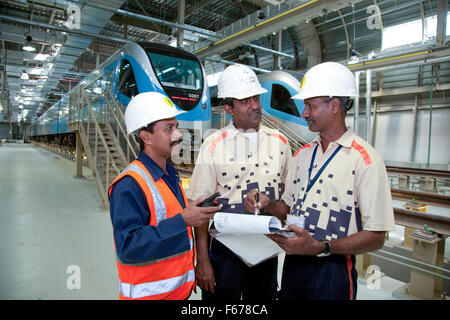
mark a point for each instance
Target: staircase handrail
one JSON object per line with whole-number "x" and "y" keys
{"x": 295, "y": 140}
{"x": 122, "y": 117}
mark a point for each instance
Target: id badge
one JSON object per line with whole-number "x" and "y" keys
{"x": 296, "y": 220}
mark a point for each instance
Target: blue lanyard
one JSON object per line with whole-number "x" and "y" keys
{"x": 313, "y": 181}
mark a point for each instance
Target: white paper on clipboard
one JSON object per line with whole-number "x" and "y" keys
{"x": 244, "y": 235}
{"x": 252, "y": 249}
{"x": 234, "y": 223}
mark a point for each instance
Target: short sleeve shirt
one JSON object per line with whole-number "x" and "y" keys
{"x": 233, "y": 164}
{"x": 351, "y": 194}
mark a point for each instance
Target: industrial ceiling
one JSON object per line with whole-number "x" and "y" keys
{"x": 264, "y": 34}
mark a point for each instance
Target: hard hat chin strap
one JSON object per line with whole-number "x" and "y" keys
{"x": 349, "y": 104}
{"x": 345, "y": 102}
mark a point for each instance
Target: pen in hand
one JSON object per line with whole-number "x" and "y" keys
{"x": 257, "y": 200}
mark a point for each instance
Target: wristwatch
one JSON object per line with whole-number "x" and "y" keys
{"x": 326, "y": 250}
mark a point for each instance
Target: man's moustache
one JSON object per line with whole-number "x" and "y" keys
{"x": 176, "y": 142}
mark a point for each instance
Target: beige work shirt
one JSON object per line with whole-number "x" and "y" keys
{"x": 352, "y": 193}
{"x": 233, "y": 164}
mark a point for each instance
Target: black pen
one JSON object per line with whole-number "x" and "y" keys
{"x": 257, "y": 200}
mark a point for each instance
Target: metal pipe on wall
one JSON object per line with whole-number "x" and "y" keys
{"x": 277, "y": 58}
{"x": 415, "y": 128}
{"x": 374, "y": 121}
{"x": 368, "y": 103}
{"x": 431, "y": 116}
{"x": 356, "y": 104}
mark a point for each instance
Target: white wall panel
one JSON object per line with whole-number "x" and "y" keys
{"x": 440, "y": 137}
{"x": 394, "y": 137}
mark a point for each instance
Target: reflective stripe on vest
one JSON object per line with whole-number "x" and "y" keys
{"x": 160, "y": 208}
{"x": 167, "y": 278}
{"x": 156, "y": 287}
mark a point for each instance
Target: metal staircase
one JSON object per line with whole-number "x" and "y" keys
{"x": 99, "y": 123}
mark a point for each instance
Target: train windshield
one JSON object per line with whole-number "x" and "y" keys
{"x": 179, "y": 73}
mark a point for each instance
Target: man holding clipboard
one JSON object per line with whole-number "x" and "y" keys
{"x": 337, "y": 198}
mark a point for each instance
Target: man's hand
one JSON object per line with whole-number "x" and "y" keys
{"x": 204, "y": 275}
{"x": 278, "y": 209}
{"x": 250, "y": 201}
{"x": 195, "y": 216}
{"x": 302, "y": 243}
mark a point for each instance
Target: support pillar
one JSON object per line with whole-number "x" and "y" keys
{"x": 430, "y": 184}
{"x": 403, "y": 181}
{"x": 424, "y": 285}
{"x": 180, "y": 20}
{"x": 363, "y": 261}
{"x": 79, "y": 156}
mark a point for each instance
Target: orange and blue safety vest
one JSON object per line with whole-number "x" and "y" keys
{"x": 171, "y": 277}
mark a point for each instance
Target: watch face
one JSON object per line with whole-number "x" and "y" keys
{"x": 326, "y": 250}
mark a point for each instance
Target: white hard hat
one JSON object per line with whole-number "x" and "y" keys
{"x": 148, "y": 107}
{"x": 328, "y": 79}
{"x": 239, "y": 82}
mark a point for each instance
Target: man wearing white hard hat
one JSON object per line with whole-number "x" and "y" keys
{"x": 151, "y": 217}
{"x": 337, "y": 198}
{"x": 240, "y": 157}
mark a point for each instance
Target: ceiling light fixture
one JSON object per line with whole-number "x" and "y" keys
{"x": 41, "y": 57}
{"x": 353, "y": 60}
{"x": 28, "y": 46}
{"x": 24, "y": 75}
{"x": 354, "y": 56}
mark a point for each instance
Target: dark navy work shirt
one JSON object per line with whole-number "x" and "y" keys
{"x": 136, "y": 241}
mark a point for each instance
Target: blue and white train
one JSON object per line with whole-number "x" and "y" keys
{"x": 281, "y": 86}
{"x": 135, "y": 68}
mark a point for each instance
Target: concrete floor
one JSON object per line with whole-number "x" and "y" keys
{"x": 50, "y": 221}
{"x": 52, "y": 224}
